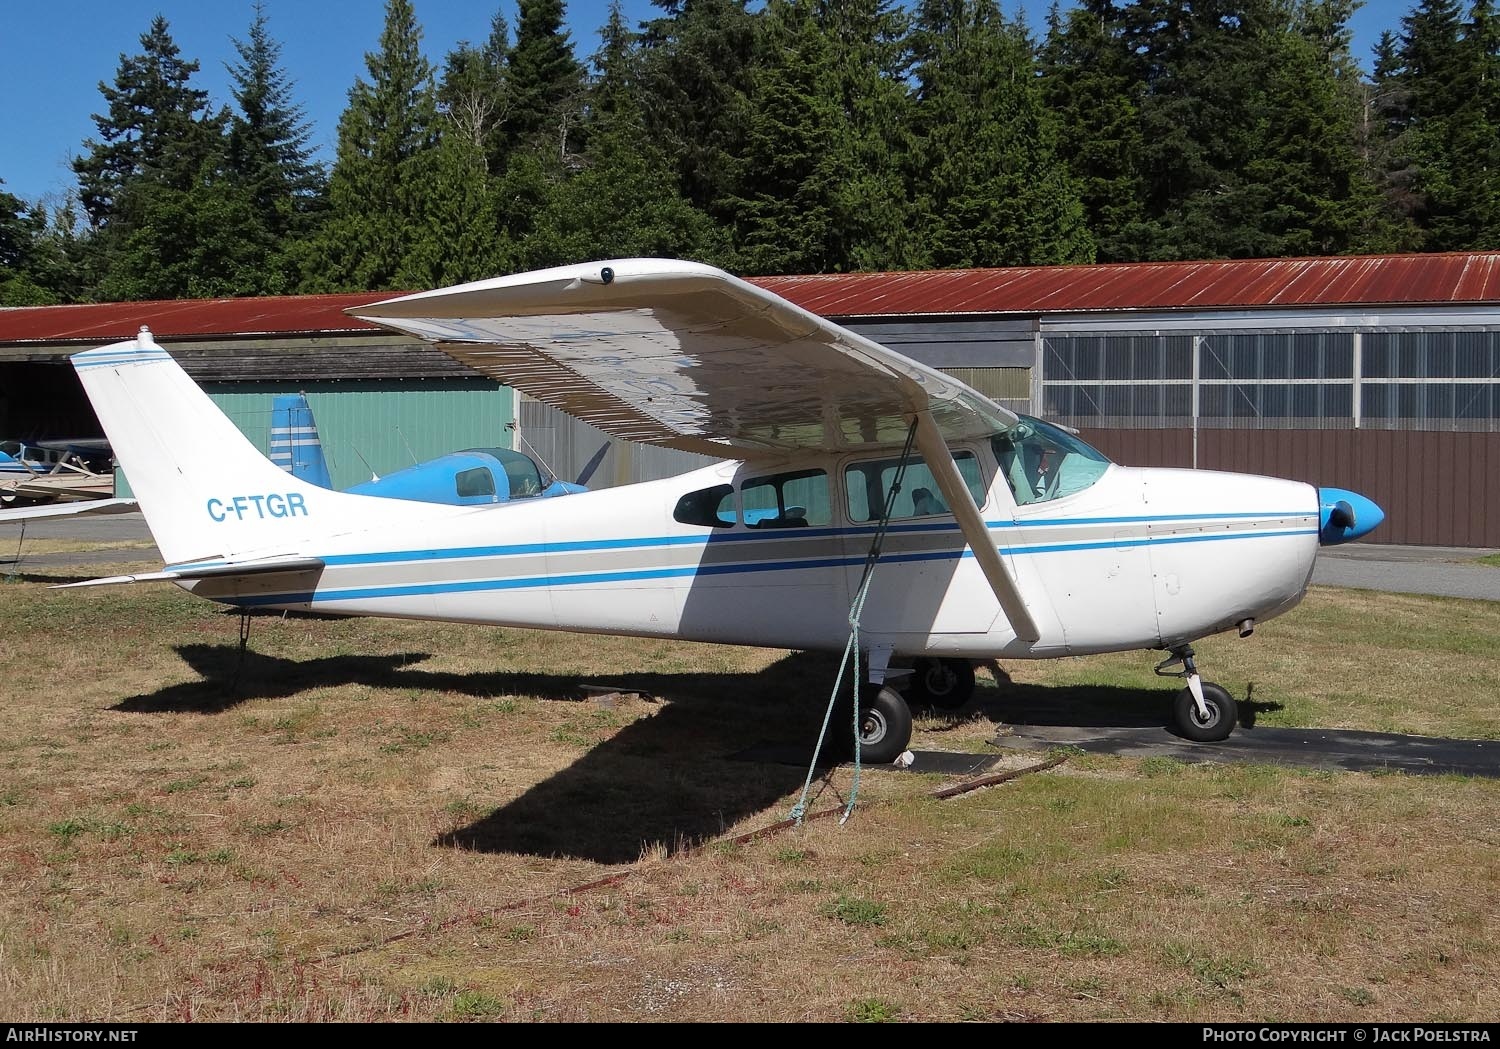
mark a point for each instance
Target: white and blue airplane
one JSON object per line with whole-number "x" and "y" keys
{"x": 1007, "y": 538}
{"x": 472, "y": 477}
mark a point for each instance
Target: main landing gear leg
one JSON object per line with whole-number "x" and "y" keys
{"x": 1203, "y": 711}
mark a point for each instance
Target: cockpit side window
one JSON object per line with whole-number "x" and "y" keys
{"x": 789, "y": 500}
{"x": 476, "y": 482}
{"x": 866, "y": 485}
{"x": 710, "y": 507}
{"x": 1042, "y": 462}
{"x": 524, "y": 476}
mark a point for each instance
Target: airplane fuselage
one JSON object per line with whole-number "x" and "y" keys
{"x": 1140, "y": 558}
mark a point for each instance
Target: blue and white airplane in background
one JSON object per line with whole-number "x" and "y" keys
{"x": 473, "y": 477}
{"x": 1025, "y": 543}
{"x": 57, "y": 479}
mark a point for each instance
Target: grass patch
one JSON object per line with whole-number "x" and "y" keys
{"x": 854, "y": 910}
{"x": 377, "y": 823}
{"x": 476, "y": 1005}
{"x": 873, "y": 1011}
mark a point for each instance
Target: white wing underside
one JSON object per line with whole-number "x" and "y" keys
{"x": 685, "y": 355}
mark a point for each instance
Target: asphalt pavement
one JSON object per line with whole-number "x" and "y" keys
{"x": 1444, "y": 571}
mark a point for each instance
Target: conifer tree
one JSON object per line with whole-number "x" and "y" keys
{"x": 384, "y": 137}
{"x": 162, "y": 212}
{"x": 697, "y": 65}
{"x": 993, "y": 191}
{"x": 270, "y": 162}
{"x": 785, "y": 213}
{"x": 22, "y": 236}
{"x": 473, "y": 93}
{"x": 622, "y": 201}
{"x": 545, "y": 81}
{"x": 1091, "y": 83}
{"x": 866, "y": 76}
{"x": 1307, "y": 190}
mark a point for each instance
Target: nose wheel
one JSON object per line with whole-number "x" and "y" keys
{"x": 1203, "y": 711}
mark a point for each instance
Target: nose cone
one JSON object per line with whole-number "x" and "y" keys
{"x": 1345, "y": 516}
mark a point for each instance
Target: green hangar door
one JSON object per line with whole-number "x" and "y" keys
{"x": 376, "y": 427}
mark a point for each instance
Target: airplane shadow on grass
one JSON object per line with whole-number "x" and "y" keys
{"x": 662, "y": 782}
{"x": 1091, "y": 706}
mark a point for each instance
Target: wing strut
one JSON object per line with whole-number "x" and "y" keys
{"x": 971, "y": 523}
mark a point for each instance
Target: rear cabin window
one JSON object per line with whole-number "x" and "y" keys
{"x": 867, "y": 485}
{"x": 476, "y": 482}
{"x": 710, "y": 507}
{"x": 789, "y": 500}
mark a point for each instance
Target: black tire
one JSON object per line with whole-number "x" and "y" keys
{"x": 884, "y": 725}
{"x": 946, "y": 684}
{"x": 1223, "y": 714}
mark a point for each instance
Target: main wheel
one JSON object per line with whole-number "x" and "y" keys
{"x": 1223, "y": 714}
{"x": 884, "y": 725}
{"x": 943, "y": 683}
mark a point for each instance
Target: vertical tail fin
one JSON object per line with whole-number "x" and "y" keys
{"x": 295, "y": 445}
{"x": 205, "y": 490}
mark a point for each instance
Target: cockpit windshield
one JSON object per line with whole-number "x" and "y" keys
{"x": 521, "y": 471}
{"x": 1042, "y": 462}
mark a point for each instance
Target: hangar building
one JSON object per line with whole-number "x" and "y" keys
{"x": 1379, "y": 373}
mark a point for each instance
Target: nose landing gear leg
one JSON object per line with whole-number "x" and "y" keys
{"x": 1203, "y": 711}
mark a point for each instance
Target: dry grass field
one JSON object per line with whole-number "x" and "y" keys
{"x": 375, "y": 820}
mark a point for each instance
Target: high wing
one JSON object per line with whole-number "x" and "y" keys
{"x": 685, "y": 355}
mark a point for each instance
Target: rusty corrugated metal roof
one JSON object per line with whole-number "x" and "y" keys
{"x": 1381, "y": 280}
{"x": 1373, "y": 280}
{"x": 187, "y": 318}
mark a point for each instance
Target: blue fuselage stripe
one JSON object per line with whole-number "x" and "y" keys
{"x": 718, "y": 538}
{"x": 683, "y": 571}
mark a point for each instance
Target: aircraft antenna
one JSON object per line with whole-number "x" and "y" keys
{"x": 534, "y": 453}
{"x": 373, "y": 475}
{"x": 404, "y": 441}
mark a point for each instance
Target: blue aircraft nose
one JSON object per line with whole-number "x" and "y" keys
{"x": 1345, "y": 516}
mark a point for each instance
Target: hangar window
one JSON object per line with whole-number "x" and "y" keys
{"x": 710, "y": 507}
{"x": 1431, "y": 380}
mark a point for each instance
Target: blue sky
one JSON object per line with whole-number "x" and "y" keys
{"x": 55, "y": 53}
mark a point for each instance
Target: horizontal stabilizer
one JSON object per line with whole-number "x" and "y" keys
{"x": 216, "y": 570}
{"x": 75, "y": 509}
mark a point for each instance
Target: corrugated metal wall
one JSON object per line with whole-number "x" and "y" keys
{"x": 567, "y": 447}
{"x": 1439, "y": 489}
{"x": 381, "y": 426}
{"x": 378, "y": 426}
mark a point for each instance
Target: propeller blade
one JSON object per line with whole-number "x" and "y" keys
{"x": 593, "y": 464}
